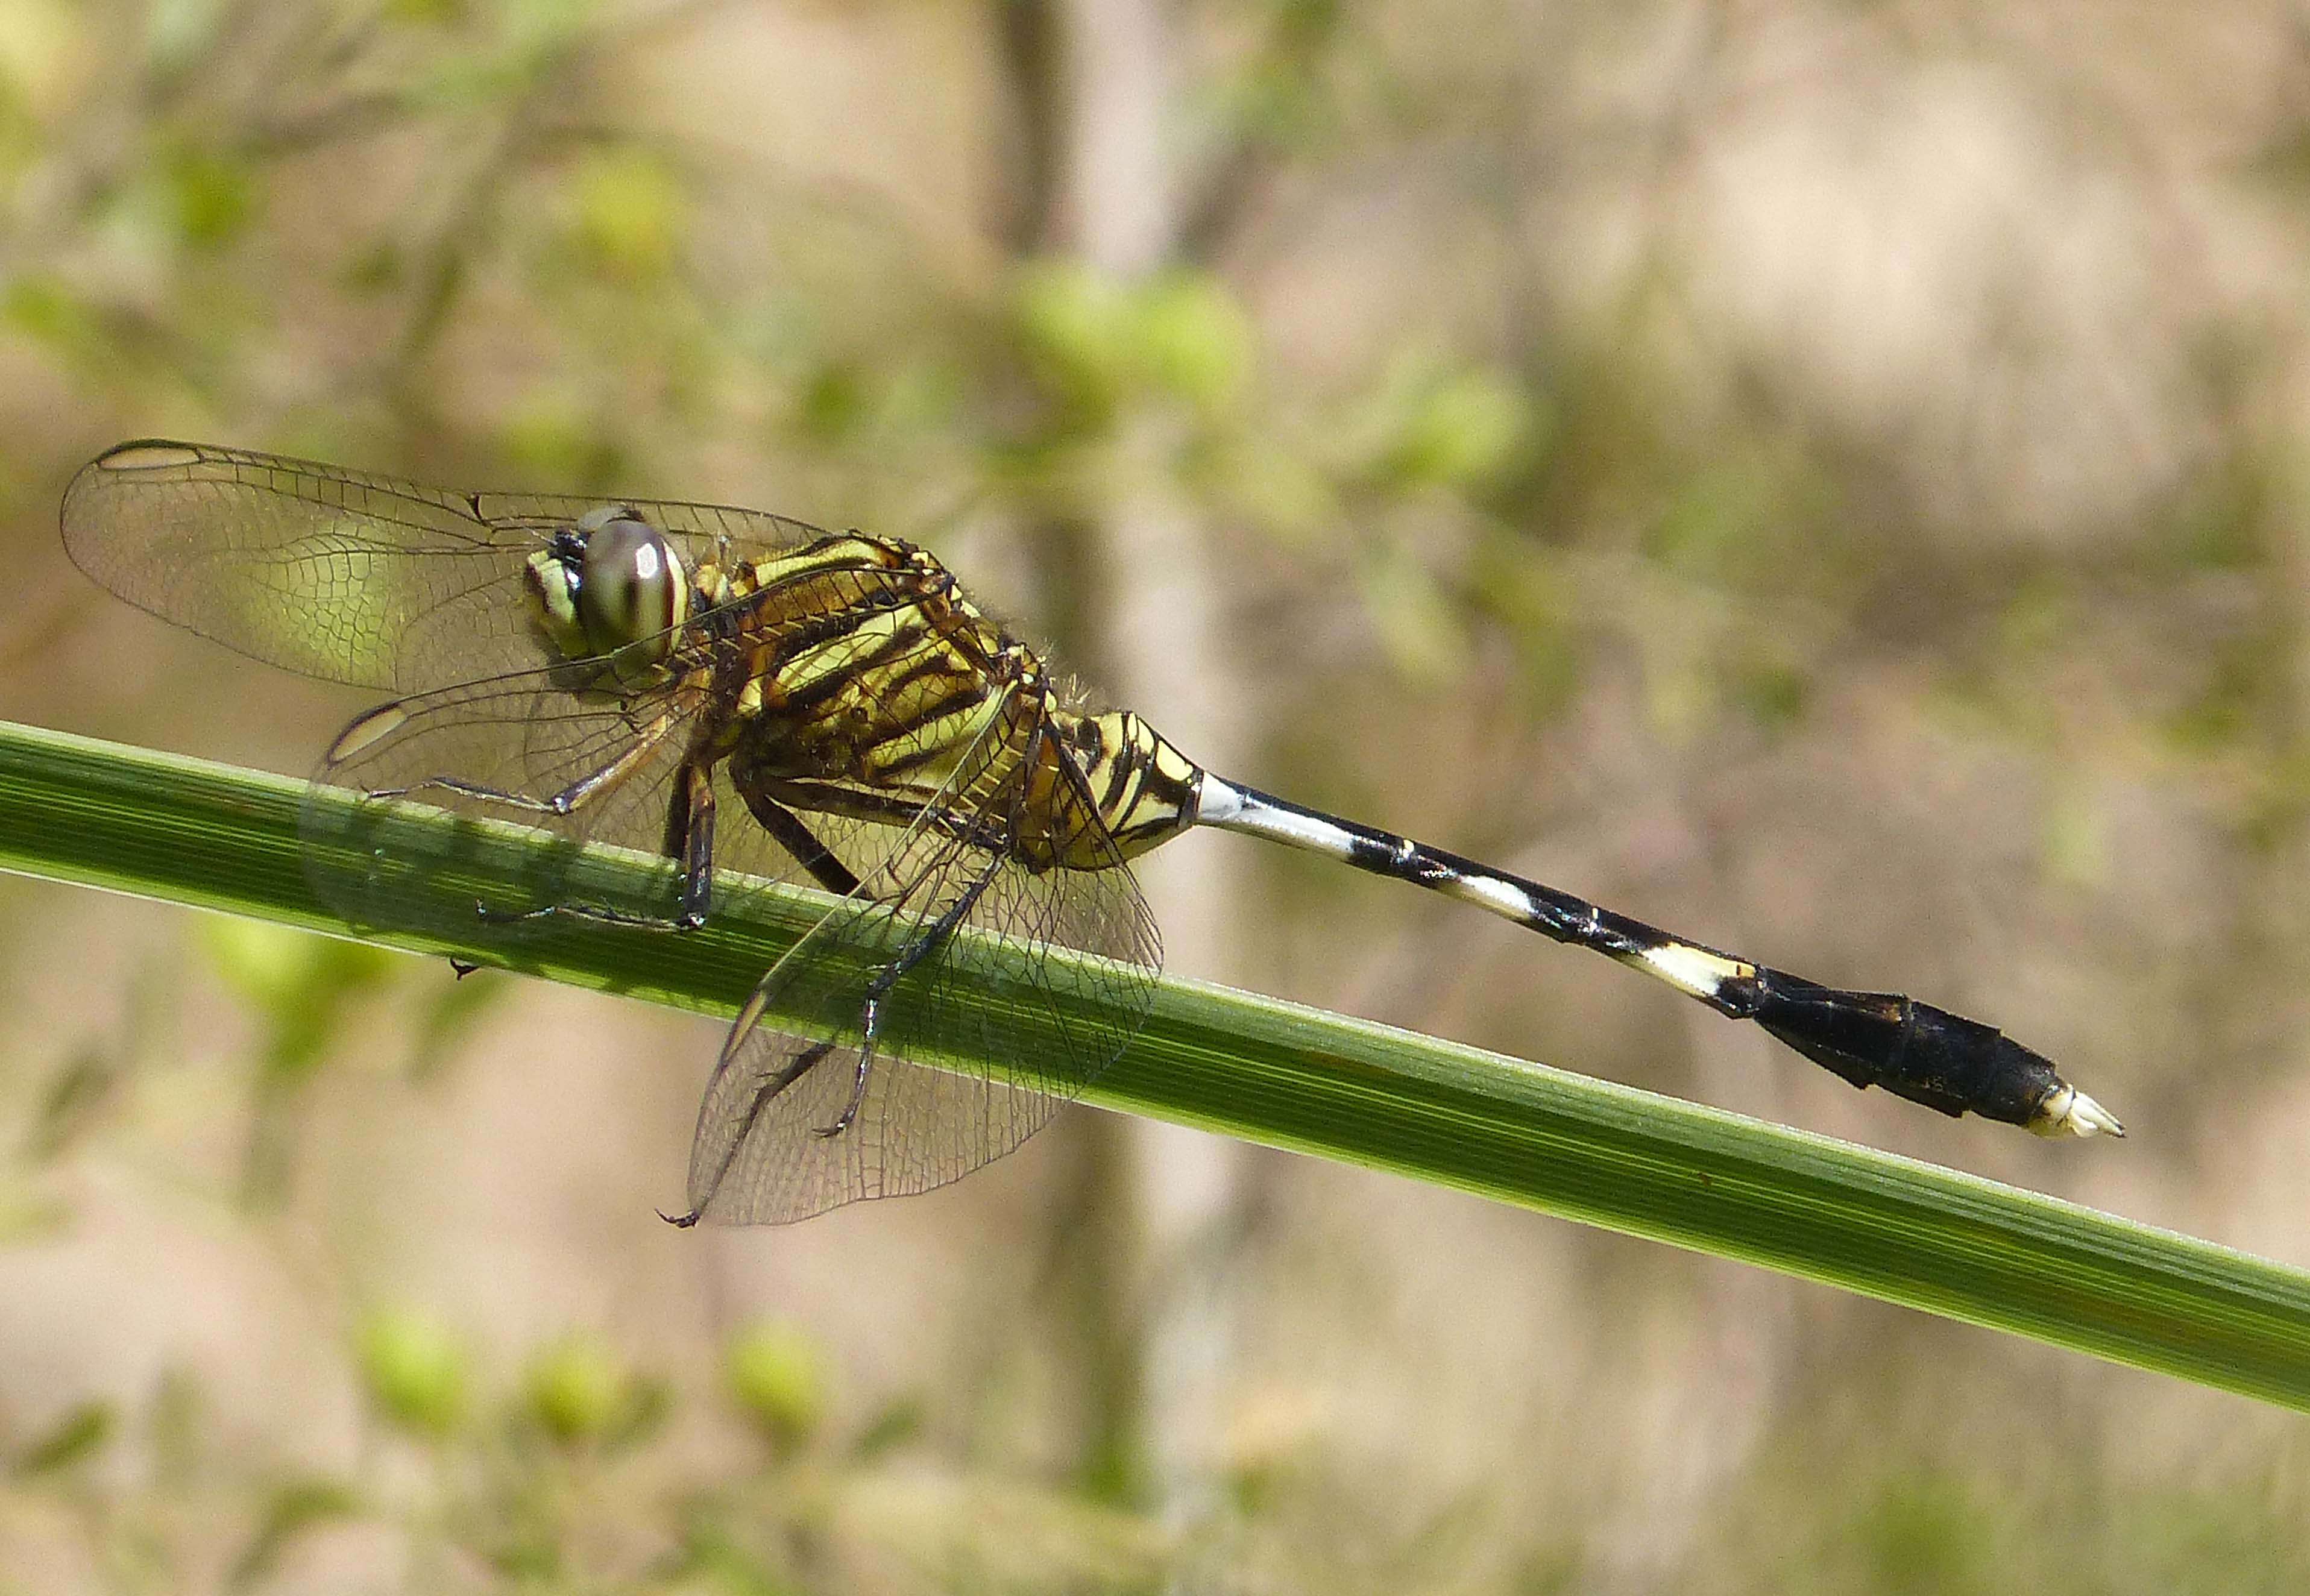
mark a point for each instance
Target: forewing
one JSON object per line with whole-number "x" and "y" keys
{"x": 335, "y": 574}
{"x": 347, "y": 575}
{"x": 1014, "y": 989}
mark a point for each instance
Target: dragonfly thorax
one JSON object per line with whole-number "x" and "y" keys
{"x": 610, "y": 587}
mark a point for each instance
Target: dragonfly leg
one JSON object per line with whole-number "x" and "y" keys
{"x": 788, "y": 831}
{"x": 803, "y": 1063}
{"x": 689, "y": 839}
{"x": 688, "y": 842}
{"x": 857, "y": 1092}
{"x": 584, "y": 911}
{"x": 870, "y": 1016}
{"x": 568, "y": 801}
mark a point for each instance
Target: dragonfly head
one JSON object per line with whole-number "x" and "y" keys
{"x": 610, "y": 587}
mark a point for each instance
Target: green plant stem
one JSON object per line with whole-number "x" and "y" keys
{"x": 185, "y": 831}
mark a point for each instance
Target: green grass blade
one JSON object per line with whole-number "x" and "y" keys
{"x": 187, "y": 831}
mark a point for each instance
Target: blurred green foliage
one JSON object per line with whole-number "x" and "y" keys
{"x": 778, "y": 1379}
{"x": 80, "y": 1435}
{"x": 485, "y": 1496}
{"x": 579, "y": 1394}
{"x": 414, "y": 1371}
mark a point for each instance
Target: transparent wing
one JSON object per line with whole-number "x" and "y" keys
{"x": 1011, "y": 985}
{"x": 404, "y": 799}
{"x": 344, "y": 575}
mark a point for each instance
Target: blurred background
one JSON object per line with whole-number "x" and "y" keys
{"x": 1821, "y": 476}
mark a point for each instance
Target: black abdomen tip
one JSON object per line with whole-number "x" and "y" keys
{"x": 1913, "y": 1050}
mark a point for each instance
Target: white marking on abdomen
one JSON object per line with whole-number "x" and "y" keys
{"x": 1694, "y": 969}
{"x": 1490, "y": 892}
{"x": 1221, "y": 804}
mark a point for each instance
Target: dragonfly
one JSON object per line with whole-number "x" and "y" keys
{"x": 743, "y": 699}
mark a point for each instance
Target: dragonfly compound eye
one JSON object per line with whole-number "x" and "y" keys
{"x": 630, "y": 590}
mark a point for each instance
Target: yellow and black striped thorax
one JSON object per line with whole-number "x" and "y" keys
{"x": 852, "y": 675}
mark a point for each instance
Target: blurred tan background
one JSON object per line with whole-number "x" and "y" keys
{"x": 1822, "y": 476}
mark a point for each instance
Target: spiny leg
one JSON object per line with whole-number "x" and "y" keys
{"x": 687, "y": 841}
{"x": 593, "y": 784}
{"x": 921, "y": 946}
{"x": 1914, "y": 1050}
{"x": 689, "y": 828}
{"x": 793, "y": 834}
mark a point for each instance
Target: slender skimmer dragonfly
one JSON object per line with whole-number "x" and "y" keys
{"x": 635, "y": 672}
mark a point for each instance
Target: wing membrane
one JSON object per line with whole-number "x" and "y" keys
{"x": 347, "y": 575}
{"x": 495, "y": 752}
{"x": 1050, "y": 1021}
